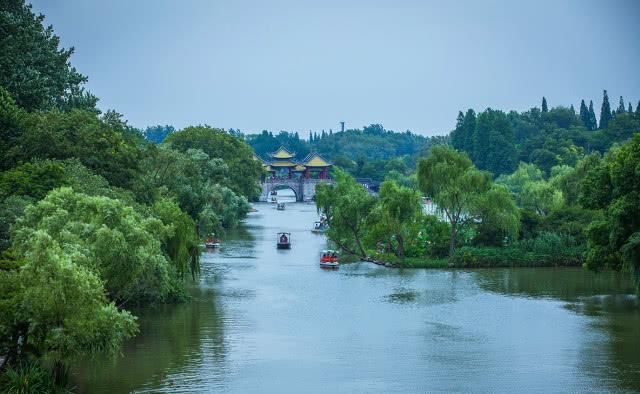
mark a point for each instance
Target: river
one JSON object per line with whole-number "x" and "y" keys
{"x": 272, "y": 321}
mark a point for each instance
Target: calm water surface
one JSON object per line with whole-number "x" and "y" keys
{"x": 272, "y": 321}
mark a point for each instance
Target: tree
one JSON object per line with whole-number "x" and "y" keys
{"x": 614, "y": 186}
{"x": 458, "y": 134}
{"x": 584, "y": 114}
{"x": 244, "y": 172}
{"x": 55, "y": 308}
{"x": 638, "y": 108}
{"x": 630, "y": 109}
{"x": 541, "y": 197}
{"x": 346, "y": 205}
{"x": 545, "y": 108}
{"x": 605, "y": 111}
{"x": 621, "y": 107}
{"x": 33, "y": 67}
{"x": 454, "y": 183}
{"x": 118, "y": 244}
{"x": 158, "y": 133}
{"x": 399, "y": 207}
{"x": 494, "y": 146}
{"x": 592, "y": 117}
{"x": 79, "y": 134}
{"x": 515, "y": 182}
{"x": 497, "y": 215}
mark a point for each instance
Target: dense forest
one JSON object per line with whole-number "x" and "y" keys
{"x": 541, "y": 188}
{"x": 94, "y": 217}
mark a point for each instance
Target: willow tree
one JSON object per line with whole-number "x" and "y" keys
{"x": 346, "y": 205}
{"x": 397, "y": 210}
{"x": 56, "y": 309}
{"x": 451, "y": 180}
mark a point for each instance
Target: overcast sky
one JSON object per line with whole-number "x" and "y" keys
{"x": 307, "y": 65}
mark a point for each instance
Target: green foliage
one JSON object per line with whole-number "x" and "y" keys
{"x": 541, "y": 197}
{"x": 158, "y": 133}
{"x": 105, "y": 236}
{"x": 55, "y": 308}
{"x": 346, "y": 205}
{"x": 243, "y": 171}
{"x": 547, "y": 249}
{"x": 28, "y": 377}
{"x": 515, "y": 182}
{"x": 181, "y": 242}
{"x": 605, "y": 111}
{"x": 32, "y": 179}
{"x": 11, "y": 125}
{"x": 82, "y": 135}
{"x": 454, "y": 183}
{"x": 11, "y": 208}
{"x": 498, "y": 217}
{"x": 394, "y": 217}
{"x": 614, "y": 186}
{"x": 33, "y": 66}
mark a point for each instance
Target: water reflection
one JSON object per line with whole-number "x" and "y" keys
{"x": 172, "y": 338}
{"x": 267, "y": 320}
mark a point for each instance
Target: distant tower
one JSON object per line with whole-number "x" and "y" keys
{"x": 342, "y": 126}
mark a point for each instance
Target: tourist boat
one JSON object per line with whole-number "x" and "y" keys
{"x": 319, "y": 227}
{"x": 212, "y": 242}
{"x": 274, "y": 200}
{"x": 284, "y": 241}
{"x": 280, "y": 206}
{"x": 329, "y": 258}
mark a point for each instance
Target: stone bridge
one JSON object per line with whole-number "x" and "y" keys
{"x": 304, "y": 189}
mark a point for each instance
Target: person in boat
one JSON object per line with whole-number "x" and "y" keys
{"x": 283, "y": 239}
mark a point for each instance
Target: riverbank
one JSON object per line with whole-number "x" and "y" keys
{"x": 482, "y": 257}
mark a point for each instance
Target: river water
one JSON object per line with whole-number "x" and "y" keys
{"x": 264, "y": 320}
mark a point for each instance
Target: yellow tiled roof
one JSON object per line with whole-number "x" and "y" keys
{"x": 300, "y": 168}
{"x": 282, "y": 153}
{"x": 316, "y": 161}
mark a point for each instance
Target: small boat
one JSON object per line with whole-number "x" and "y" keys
{"x": 280, "y": 206}
{"x": 212, "y": 242}
{"x": 319, "y": 227}
{"x": 274, "y": 200}
{"x": 284, "y": 241}
{"x": 329, "y": 259}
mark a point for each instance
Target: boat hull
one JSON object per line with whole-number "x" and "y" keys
{"x": 284, "y": 246}
{"x": 330, "y": 264}
{"x": 212, "y": 245}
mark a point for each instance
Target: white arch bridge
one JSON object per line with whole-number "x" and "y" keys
{"x": 304, "y": 189}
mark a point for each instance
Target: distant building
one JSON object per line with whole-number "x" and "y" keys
{"x": 282, "y": 164}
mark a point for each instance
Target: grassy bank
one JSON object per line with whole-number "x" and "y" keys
{"x": 487, "y": 257}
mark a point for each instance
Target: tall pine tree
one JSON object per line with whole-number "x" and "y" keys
{"x": 457, "y": 135}
{"x": 469, "y": 130}
{"x": 605, "y": 111}
{"x": 584, "y": 114}
{"x": 593, "y": 123}
{"x": 638, "y": 108}
{"x": 621, "y": 108}
{"x": 544, "y": 105}
{"x": 630, "y": 110}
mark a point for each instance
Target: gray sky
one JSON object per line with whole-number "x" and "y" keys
{"x": 306, "y": 65}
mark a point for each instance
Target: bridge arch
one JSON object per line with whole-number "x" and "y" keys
{"x": 278, "y": 187}
{"x": 304, "y": 189}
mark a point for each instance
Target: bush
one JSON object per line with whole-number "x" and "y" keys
{"x": 30, "y": 377}
{"x": 546, "y": 250}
